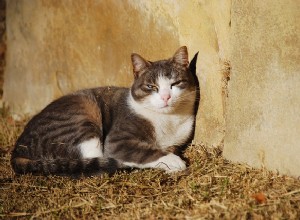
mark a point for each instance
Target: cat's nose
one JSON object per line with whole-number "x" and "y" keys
{"x": 165, "y": 97}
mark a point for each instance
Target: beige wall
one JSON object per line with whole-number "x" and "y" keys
{"x": 55, "y": 47}
{"x": 263, "y": 115}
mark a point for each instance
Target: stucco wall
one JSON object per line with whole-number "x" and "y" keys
{"x": 263, "y": 115}
{"x": 55, "y": 47}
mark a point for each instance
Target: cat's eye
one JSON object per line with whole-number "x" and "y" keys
{"x": 179, "y": 83}
{"x": 152, "y": 87}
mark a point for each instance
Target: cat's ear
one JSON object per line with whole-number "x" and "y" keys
{"x": 192, "y": 65}
{"x": 181, "y": 57}
{"x": 139, "y": 64}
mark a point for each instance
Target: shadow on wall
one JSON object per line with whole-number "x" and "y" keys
{"x": 2, "y": 45}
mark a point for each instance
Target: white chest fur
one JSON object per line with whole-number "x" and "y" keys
{"x": 170, "y": 129}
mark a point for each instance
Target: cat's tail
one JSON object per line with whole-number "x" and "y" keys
{"x": 65, "y": 167}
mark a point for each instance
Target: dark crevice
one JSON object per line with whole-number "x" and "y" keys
{"x": 2, "y": 43}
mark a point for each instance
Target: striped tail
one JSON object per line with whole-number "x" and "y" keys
{"x": 65, "y": 167}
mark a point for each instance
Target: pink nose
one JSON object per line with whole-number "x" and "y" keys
{"x": 165, "y": 97}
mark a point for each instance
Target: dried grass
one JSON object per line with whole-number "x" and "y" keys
{"x": 212, "y": 188}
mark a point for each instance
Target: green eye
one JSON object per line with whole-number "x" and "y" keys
{"x": 152, "y": 87}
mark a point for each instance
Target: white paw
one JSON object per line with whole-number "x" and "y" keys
{"x": 170, "y": 163}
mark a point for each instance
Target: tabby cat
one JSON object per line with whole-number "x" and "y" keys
{"x": 104, "y": 129}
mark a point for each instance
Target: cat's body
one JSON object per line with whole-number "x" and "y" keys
{"x": 103, "y": 129}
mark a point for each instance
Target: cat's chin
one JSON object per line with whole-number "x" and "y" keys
{"x": 164, "y": 110}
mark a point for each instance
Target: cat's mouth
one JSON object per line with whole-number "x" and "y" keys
{"x": 164, "y": 105}
{"x": 167, "y": 108}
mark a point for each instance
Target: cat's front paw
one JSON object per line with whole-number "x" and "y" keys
{"x": 170, "y": 163}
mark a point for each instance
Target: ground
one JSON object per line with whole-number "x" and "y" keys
{"x": 211, "y": 188}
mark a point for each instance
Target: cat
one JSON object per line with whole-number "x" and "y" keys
{"x": 102, "y": 130}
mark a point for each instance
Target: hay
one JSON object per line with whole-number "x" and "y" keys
{"x": 211, "y": 188}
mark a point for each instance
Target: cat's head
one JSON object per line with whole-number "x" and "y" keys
{"x": 164, "y": 86}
